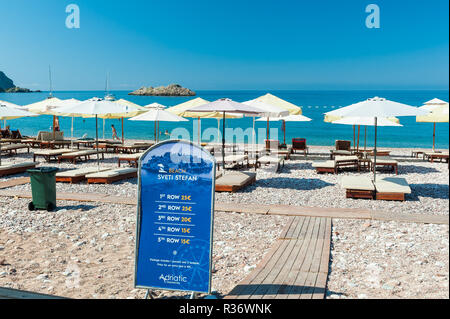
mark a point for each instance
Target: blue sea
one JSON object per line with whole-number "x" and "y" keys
{"x": 314, "y": 104}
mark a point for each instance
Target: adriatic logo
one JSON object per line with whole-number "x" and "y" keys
{"x": 172, "y": 279}
{"x": 161, "y": 168}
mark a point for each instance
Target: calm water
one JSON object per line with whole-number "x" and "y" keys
{"x": 314, "y": 104}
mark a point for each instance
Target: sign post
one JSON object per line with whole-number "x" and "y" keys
{"x": 175, "y": 218}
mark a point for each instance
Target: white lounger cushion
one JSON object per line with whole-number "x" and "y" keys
{"x": 17, "y": 165}
{"x": 436, "y": 153}
{"x": 13, "y": 147}
{"x": 82, "y": 153}
{"x": 52, "y": 152}
{"x": 270, "y": 160}
{"x": 234, "y": 179}
{"x": 235, "y": 158}
{"x": 112, "y": 173}
{"x": 324, "y": 164}
{"x": 363, "y": 183}
{"x": 131, "y": 156}
{"x": 345, "y": 158}
{"x": 384, "y": 160}
{"x": 341, "y": 152}
{"x": 392, "y": 185}
{"x": 80, "y": 172}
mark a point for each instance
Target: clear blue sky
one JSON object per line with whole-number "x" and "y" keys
{"x": 218, "y": 44}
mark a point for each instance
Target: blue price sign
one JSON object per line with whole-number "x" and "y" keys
{"x": 175, "y": 218}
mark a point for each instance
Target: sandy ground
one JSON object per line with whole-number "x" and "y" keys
{"x": 87, "y": 250}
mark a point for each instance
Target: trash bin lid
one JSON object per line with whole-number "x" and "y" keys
{"x": 43, "y": 170}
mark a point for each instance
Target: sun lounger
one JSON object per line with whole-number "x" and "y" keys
{"x": 111, "y": 176}
{"x": 334, "y": 153}
{"x": 325, "y": 167}
{"x": 383, "y": 161}
{"x": 392, "y": 188}
{"x": 416, "y": 154}
{"x": 358, "y": 187}
{"x": 77, "y": 175}
{"x": 269, "y": 160}
{"x": 233, "y": 159}
{"x": 16, "y": 168}
{"x": 299, "y": 144}
{"x": 79, "y": 155}
{"x": 347, "y": 161}
{"x": 13, "y": 148}
{"x": 234, "y": 181}
{"x": 431, "y": 156}
{"x": 48, "y": 155}
{"x": 132, "y": 159}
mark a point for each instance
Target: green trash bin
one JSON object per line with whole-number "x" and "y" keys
{"x": 43, "y": 188}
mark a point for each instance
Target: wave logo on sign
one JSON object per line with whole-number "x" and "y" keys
{"x": 161, "y": 168}
{"x": 171, "y": 279}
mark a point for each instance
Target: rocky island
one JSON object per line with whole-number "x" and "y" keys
{"x": 7, "y": 85}
{"x": 170, "y": 90}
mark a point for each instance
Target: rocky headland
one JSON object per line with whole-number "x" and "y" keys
{"x": 170, "y": 90}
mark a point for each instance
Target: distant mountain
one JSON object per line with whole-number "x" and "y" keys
{"x": 170, "y": 90}
{"x": 7, "y": 85}
{"x": 5, "y": 82}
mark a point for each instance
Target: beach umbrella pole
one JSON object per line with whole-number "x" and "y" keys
{"x": 434, "y": 136}
{"x": 96, "y": 141}
{"x": 375, "y": 153}
{"x": 123, "y": 136}
{"x": 223, "y": 143}
{"x": 71, "y": 131}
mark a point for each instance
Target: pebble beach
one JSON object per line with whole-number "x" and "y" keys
{"x": 86, "y": 250}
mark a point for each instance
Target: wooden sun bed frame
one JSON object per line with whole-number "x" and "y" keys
{"x": 236, "y": 161}
{"x": 74, "y": 179}
{"x": 234, "y": 188}
{"x": 112, "y": 179}
{"x": 132, "y": 161}
{"x": 391, "y": 163}
{"x": 268, "y": 160}
{"x": 74, "y": 158}
{"x": 17, "y": 170}
{"x": 48, "y": 157}
{"x": 13, "y": 148}
{"x": 357, "y": 192}
{"x": 431, "y": 156}
{"x": 376, "y": 193}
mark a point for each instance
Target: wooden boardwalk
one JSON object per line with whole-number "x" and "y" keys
{"x": 7, "y": 293}
{"x": 296, "y": 267}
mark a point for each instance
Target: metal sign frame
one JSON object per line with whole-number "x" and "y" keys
{"x": 139, "y": 214}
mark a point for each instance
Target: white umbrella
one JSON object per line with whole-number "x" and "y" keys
{"x": 226, "y": 106}
{"x": 269, "y": 110}
{"x": 8, "y": 113}
{"x": 155, "y": 106}
{"x": 65, "y": 103}
{"x": 94, "y": 107}
{"x": 366, "y": 121}
{"x": 158, "y": 115}
{"x": 377, "y": 107}
{"x": 438, "y": 114}
{"x": 289, "y": 118}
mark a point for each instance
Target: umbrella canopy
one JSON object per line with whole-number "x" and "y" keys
{"x": 12, "y": 105}
{"x": 44, "y": 107}
{"x": 438, "y": 114}
{"x": 94, "y": 107}
{"x": 276, "y": 101}
{"x": 225, "y": 106}
{"x": 377, "y": 107}
{"x": 158, "y": 115}
{"x": 155, "y": 106}
{"x": 7, "y": 113}
{"x": 289, "y": 118}
{"x": 269, "y": 111}
{"x": 369, "y": 121}
{"x": 10, "y": 113}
